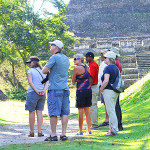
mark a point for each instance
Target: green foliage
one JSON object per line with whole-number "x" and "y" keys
{"x": 23, "y": 33}
{"x": 16, "y": 94}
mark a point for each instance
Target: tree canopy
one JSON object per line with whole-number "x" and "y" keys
{"x": 23, "y": 33}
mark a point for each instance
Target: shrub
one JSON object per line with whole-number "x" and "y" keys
{"x": 16, "y": 94}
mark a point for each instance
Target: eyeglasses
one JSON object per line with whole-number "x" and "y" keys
{"x": 105, "y": 57}
{"x": 76, "y": 58}
{"x": 53, "y": 45}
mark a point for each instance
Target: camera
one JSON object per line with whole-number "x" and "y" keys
{"x": 45, "y": 79}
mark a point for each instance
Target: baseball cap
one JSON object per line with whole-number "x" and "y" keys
{"x": 103, "y": 51}
{"x": 115, "y": 50}
{"x": 90, "y": 54}
{"x": 58, "y": 43}
{"x": 110, "y": 54}
{"x": 32, "y": 59}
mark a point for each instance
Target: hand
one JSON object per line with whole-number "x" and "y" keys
{"x": 41, "y": 92}
{"x": 101, "y": 90}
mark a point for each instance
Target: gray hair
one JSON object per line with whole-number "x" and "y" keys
{"x": 81, "y": 56}
{"x": 112, "y": 61}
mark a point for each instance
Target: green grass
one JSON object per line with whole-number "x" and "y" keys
{"x": 135, "y": 103}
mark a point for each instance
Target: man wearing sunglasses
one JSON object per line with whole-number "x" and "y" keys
{"x": 94, "y": 67}
{"x": 58, "y": 92}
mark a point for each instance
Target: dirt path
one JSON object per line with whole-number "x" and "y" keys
{"x": 17, "y": 133}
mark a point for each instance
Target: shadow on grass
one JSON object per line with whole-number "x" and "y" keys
{"x": 5, "y": 122}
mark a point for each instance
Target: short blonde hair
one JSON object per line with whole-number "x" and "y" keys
{"x": 81, "y": 56}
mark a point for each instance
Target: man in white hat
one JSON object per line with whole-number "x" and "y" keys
{"x": 58, "y": 92}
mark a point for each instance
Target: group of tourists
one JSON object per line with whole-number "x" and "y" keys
{"x": 91, "y": 81}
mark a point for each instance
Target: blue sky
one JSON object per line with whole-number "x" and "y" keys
{"x": 47, "y": 5}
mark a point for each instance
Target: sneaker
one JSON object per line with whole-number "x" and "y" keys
{"x": 89, "y": 132}
{"x": 94, "y": 128}
{"x": 79, "y": 133}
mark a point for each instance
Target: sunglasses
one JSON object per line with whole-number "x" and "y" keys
{"x": 105, "y": 57}
{"x": 53, "y": 45}
{"x": 76, "y": 58}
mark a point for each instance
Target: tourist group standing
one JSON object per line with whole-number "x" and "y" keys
{"x": 91, "y": 81}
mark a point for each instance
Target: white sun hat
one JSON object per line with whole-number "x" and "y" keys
{"x": 58, "y": 43}
{"x": 110, "y": 54}
{"x": 115, "y": 50}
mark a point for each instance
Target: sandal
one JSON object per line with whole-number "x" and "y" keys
{"x": 110, "y": 133}
{"x": 104, "y": 124}
{"x": 31, "y": 134}
{"x": 63, "y": 137}
{"x": 54, "y": 138}
{"x": 40, "y": 134}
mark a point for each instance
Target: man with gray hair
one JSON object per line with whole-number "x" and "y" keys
{"x": 58, "y": 92}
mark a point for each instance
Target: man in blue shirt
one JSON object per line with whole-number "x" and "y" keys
{"x": 58, "y": 92}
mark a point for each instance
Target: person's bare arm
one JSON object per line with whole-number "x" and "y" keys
{"x": 45, "y": 70}
{"x": 105, "y": 82}
{"x": 74, "y": 75}
{"x": 91, "y": 79}
{"x": 29, "y": 76}
{"x": 45, "y": 88}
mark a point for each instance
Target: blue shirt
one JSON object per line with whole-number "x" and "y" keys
{"x": 36, "y": 79}
{"x": 113, "y": 71}
{"x": 59, "y": 66}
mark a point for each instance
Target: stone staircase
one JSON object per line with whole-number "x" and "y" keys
{"x": 143, "y": 63}
{"x": 129, "y": 70}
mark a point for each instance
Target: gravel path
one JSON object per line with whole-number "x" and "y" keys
{"x": 18, "y": 133}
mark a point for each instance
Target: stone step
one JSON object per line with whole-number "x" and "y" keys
{"x": 128, "y": 82}
{"x": 143, "y": 62}
{"x": 126, "y": 71}
{"x": 129, "y": 65}
{"x": 130, "y": 76}
{"x": 130, "y": 59}
{"x": 142, "y": 55}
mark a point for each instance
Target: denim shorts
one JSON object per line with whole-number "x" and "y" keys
{"x": 58, "y": 102}
{"x": 34, "y": 101}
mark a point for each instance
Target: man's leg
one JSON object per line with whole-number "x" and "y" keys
{"x": 119, "y": 115}
{"x": 93, "y": 109}
{"x": 64, "y": 121}
{"x": 53, "y": 123}
{"x": 106, "y": 121}
{"x": 31, "y": 120}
